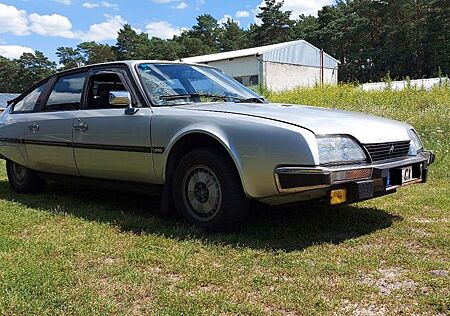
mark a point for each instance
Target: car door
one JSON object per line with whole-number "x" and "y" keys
{"x": 110, "y": 142}
{"x": 48, "y": 137}
{"x": 14, "y": 125}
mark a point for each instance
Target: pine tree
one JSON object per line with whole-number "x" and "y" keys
{"x": 131, "y": 45}
{"x": 276, "y": 24}
{"x": 70, "y": 57}
{"x": 232, "y": 36}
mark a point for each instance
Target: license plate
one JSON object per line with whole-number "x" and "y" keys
{"x": 407, "y": 174}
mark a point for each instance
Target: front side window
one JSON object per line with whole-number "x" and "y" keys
{"x": 176, "y": 84}
{"x": 66, "y": 94}
{"x": 100, "y": 86}
{"x": 29, "y": 101}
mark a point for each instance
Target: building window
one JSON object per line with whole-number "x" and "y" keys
{"x": 248, "y": 80}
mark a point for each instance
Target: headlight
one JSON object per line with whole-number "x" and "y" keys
{"x": 417, "y": 143}
{"x": 335, "y": 149}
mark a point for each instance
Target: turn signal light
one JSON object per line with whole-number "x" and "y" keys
{"x": 354, "y": 174}
{"x": 338, "y": 196}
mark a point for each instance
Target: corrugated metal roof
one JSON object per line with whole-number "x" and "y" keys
{"x": 296, "y": 52}
{"x": 5, "y": 97}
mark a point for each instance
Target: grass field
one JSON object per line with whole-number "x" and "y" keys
{"x": 88, "y": 251}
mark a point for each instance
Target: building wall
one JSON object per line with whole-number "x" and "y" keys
{"x": 279, "y": 77}
{"x": 238, "y": 67}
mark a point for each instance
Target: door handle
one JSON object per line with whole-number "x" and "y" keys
{"x": 33, "y": 127}
{"x": 82, "y": 127}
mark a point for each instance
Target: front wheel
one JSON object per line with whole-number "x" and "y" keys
{"x": 208, "y": 192}
{"x": 22, "y": 179}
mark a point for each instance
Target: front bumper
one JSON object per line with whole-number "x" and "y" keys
{"x": 360, "y": 182}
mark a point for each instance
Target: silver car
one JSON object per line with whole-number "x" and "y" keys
{"x": 207, "y": 142}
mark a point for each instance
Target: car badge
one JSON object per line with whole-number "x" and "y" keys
{"x": 391, "y": 150}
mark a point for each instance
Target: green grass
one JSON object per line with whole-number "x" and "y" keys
{"x": 88, "y": 251}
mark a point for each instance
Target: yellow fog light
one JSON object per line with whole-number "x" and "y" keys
{"x": 338, "y": 196}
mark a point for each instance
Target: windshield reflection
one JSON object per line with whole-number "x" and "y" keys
{"x": 177, "y": 84}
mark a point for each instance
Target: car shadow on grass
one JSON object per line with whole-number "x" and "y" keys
{"x": 288, "y": 228}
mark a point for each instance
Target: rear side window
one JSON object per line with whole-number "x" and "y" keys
{"x": 29, "y": 101}
{"x": 66, "y": 94}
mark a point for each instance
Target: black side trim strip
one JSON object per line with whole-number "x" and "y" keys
{"x": 46, "y": 143}
{"x": 139, "y": 149}
{"x": 113, "y": 147}
{"x": 11, "y": 140}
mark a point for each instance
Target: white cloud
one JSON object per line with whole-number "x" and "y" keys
{"x": 181, "y": 6}
{"x": 242, "y": 14}
{"x": 225, "y": 19}
{"x": 161, "y": 1}
{"x": 18, "y": 22}
{"x": 163, "y": 29}
{"x": 307, "y": 7}
{"x": 107, "y": 4}
{"x": 104, "y": 4}
{"x": 14, "y": 51}
{"x": 91, "y": 5}
{"x": 103, "y": 31}
{"x": 65, "y": 2}
{"x": 13, "y": 20}
{"x": 51, "y": 25}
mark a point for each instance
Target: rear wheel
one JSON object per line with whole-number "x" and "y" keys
{"x": 22, "y": 179}
{"x": 208, "y": 192}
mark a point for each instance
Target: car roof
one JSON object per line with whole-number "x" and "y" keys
{"x": 129, "y": 63}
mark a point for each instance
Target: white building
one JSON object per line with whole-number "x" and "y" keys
{"x": 278, "y": 67}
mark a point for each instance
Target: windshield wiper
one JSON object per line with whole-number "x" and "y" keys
{"x": 250, "y": 100}
{"x": 178, "y": 96}
{"x": 213, "y": 96}
{"x": 194, "y": 95}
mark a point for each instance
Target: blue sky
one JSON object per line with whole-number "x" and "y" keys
{"x": 28, "y": 25}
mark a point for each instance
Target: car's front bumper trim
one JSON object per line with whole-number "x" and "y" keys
{"x": 292, "y": 179}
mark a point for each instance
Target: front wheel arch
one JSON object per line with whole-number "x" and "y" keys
{"x": 192, "y": 141}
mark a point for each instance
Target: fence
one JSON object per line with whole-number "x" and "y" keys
{"x": 400, "y": 85}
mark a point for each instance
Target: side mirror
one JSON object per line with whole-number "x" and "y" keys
{"x": 119, "y": 98}
{"x": 122, "y": 98}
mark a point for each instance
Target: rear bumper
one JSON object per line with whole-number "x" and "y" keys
{"x": 361, "y": 182}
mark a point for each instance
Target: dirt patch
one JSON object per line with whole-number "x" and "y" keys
{"x": 358, "y": 309}
{"x": 390, "y": 280}
{"x": 441, "y": 273}
{"x": 423, "y": 220}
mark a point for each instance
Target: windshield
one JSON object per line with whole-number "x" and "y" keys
{"x": 176, "y": 84}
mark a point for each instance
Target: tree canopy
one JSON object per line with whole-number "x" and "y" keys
{"x": 371, "y": 38}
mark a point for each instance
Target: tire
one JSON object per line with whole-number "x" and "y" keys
{"x": 216, "y": 205}
{"x": 22, "y": 179}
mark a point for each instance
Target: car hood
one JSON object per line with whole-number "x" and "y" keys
{"x": 366, "y": 128}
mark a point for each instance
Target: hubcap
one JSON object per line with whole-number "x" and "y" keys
{"x": 19, "y": 172}
{"x": 202, "y": 194}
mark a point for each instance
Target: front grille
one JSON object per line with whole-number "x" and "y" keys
{"x": 390, "y": 150}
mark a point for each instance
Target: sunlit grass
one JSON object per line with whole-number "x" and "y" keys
{"x": 77, "y": 250}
